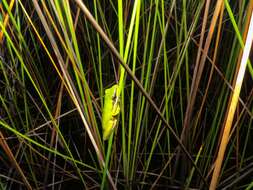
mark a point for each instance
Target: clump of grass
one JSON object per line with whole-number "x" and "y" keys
{"x": 176, "y": 64}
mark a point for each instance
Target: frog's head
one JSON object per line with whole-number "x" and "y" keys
{"x": 112, "y": 92}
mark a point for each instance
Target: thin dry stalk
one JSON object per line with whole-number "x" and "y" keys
{"x": 232, "y": 107}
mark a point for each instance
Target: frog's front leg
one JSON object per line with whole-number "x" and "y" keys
{"x": 116, "y": 111}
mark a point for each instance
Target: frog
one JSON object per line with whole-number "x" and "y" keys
{"x": 111, "y": 110}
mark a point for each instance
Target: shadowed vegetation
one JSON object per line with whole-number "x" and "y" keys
{"x": 181, "y": 109}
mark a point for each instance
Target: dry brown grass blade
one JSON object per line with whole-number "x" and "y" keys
{"x": 188, "y": 110}
{"x": 8, "y": 152}
{"x": 213, "y": 65}
{"x": 71, "y": 87}
{"x": 200, "y": 66}
{"x": 74, "y": 65}
{"x": 67, "y": 78}
{"x": 219, "y": 72}
{"x": 54, "y": 137}
{"x": 244, "y": 35}
{"x": 232, "y": 106}
{"x": 6, "y": 19}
